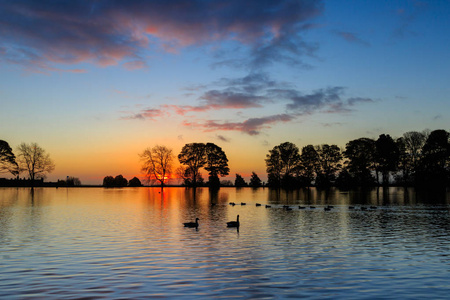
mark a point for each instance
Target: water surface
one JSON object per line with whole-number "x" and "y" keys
{"x": 130, "y": 243}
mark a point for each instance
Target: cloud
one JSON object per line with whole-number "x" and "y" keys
{"x": 407, "y": 16}
{"x": 352, "y": 38}
{"x": 145, "y": 114}
{"x": 222, "y": 138}
{"x": 39, "y": 34}
{"x": 255, "y": 91}
{"x": 252, "y": 126}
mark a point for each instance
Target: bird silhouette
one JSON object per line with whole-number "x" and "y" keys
{"x": 192, "y": 224}
{"x": 233, "y": 223}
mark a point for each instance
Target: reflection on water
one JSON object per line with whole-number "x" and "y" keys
{"x": 131, "y": 243}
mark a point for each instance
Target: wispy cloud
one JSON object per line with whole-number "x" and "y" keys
{"x": 252, "y": 126}
{"x": 255, "y": 92}
{"x": 145, "y": 114}
{"x": 407, "y": 16}
{"x": 352, "y": 38}
{"x": 39, "y": 34}
{"x": 222, "y": 138}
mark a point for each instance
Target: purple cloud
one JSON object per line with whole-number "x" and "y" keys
{"x": 39, "y": 34}
{"x": 252, "y": 126}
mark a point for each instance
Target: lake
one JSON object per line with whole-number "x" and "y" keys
{"x": 131, "y": 243}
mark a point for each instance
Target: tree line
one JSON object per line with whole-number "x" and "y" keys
{"x": 414, "y": 159}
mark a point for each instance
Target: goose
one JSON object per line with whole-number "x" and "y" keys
{"x": 233, "y": 223}
{"x": 268, "y": 206}
{"x": 192, "y": 224}
{"x": 301, "y": 207}
{"x": 312, "y": 207}
{"x": 287, "y": 208}
{"x": 373, "y": 207}
{"x": 327, "y": 208}
{"x": 258, "y": 204}
{"x": 243, "y": 203}
{"x": 232, "y": 203}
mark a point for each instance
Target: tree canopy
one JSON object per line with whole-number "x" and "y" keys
{"x": 8, "y": 162}
{"x": 209, "y": 156}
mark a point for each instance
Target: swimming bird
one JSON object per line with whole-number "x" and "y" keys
{"x": 192, "y": 224}
{"x": 233, "y": 223}
{"x": 258, "y": 204}
{"x": 287, "y": 208}
{"x": 373, "y": 207}
{"x": 312, "y": 207}
{"x": 243, "y": 203}
{"x": 301, "y": 207}
{"x": 268, "y": 206}
{"x": 327, "y": 208}
{"x": 351, "y": 207}
{"x": 232, "y": 203}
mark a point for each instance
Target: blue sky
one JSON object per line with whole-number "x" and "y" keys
{"x": 96, "y": 82}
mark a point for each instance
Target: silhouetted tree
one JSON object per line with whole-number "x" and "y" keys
{"x": 108, "y": 181}
{"x": 216, "y": 164}
{"x": 157, "y": 163}
{"x": 209, "y": 156}
{"x": 134, "y": 182}
{"x": 226, "y": 183}
{"x": 281, "y": 162}
{"x": 328, "y": 164}
{"x": 309, "y": 164}
{"x": 434, "y": 167}
{"x": 361, "y": 157}
{"x": 73, "y": 181}
{"x": 120, "y": 181}
{"x": 239, "y": 181}
{"x": 33, "y": 159}
{"x": 344, "y": 179}
{"x": 194, "y": 157}
{"x": 255, "y": 181}
{"x": 387, "y": 155}
{"x": 7, "y": 159}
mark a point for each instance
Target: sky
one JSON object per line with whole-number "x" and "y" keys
{"x": 95, "y": 83}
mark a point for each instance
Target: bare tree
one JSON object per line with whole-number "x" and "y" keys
{"x": 157, "y": 163}
{"x": 34, "y": 160}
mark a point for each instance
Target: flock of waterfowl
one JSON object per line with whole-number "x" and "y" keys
{"x": 285, "y": 207}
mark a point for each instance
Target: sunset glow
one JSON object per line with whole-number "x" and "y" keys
{"x": 96, "y": 83}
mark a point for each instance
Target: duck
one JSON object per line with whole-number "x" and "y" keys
{"x": 232, "y": 203}
{"x": 312, "y": 207}
{"x": 258, "y": 204}
{"x": 233, "y": 223}
{"x": 192, "y": 224}
{"x": 301, "y": 207}
{"x": 243, "y": 203}
{"x": 268, "y": 206}
{"x": 327, "y": 208}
